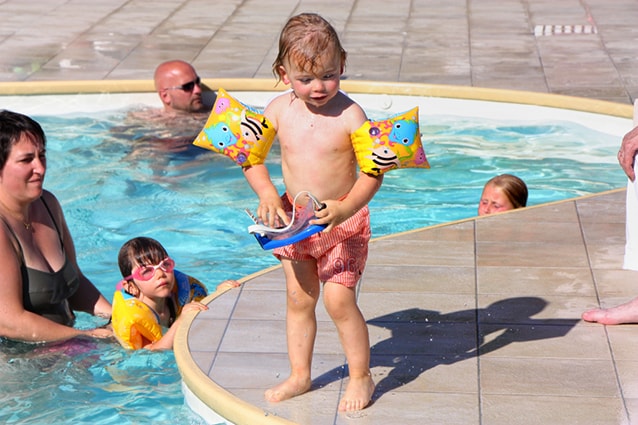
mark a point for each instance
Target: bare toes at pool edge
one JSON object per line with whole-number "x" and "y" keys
{"x": 358, "y": 394}
{"x": 290, "y": 388}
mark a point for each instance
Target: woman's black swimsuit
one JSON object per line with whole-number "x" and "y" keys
{"x": 47, "y": 294}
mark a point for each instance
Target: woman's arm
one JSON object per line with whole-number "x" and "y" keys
{"x": 627, "y": 153}
{"x": 87, "y": 298}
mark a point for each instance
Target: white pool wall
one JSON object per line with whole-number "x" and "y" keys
{"x": 62, "y": 104}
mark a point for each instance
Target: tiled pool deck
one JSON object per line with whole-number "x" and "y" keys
{"x": 475, "y": 322}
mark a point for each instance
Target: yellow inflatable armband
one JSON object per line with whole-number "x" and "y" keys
{"x": 188, "y": 289}
{"x": 133, "y": 321}
{"x": 395, "y": 142}
{"x": 237, "y": 131}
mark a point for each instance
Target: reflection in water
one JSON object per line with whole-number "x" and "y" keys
{"x": 82, "y": 381}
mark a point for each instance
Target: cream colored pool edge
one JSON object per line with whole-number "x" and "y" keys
{"x": 217, "y": 399}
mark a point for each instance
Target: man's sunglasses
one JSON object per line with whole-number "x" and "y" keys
{"x": 187, "y": 87}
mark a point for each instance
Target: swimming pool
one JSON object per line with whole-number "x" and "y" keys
{"x": 114, "y": 183}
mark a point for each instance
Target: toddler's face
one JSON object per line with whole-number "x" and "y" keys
{"x": 316, "y": 86}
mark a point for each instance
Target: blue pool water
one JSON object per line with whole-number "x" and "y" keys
{"x": 116, "y": 182}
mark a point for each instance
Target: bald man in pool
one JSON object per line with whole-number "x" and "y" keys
{"x": 179, "y": 88}
{"x": 186, "y": 106}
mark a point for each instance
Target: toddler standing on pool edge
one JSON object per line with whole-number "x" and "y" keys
{"x": 153, "y": 295}
{"x": 314, "y": 121}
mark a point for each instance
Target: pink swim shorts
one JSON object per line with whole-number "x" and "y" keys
{"x": 341, "y": 254}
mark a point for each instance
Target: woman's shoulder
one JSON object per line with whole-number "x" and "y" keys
{"x": 50, "y": 199}
{"x": 51, "y": 204}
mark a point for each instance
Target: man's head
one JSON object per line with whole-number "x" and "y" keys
{"x": 178, "y": 86}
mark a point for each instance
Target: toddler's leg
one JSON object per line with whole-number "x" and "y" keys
{"x": 341, "y": 304}
{"x": 302, "y": 287}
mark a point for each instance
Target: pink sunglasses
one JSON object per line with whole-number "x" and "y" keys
{"x": 145, "y": 273}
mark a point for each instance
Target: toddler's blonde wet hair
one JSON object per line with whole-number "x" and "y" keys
{"x": 304, "y": 41}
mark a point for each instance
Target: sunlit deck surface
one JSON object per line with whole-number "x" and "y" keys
{"x": 473, "y": 322}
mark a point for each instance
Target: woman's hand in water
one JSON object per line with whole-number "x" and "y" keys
{"x": 100, "y": 333}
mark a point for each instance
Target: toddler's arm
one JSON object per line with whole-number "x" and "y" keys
{"x": 336, "y": 212}
{"x": 270, "y": 209}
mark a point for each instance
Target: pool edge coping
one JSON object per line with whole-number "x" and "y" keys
{"x": 354, "y": 86}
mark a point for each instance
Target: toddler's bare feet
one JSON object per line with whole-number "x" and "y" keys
{"x": 290, "y": 388}
{"x": 358, "y": 394}
{"x": 623, "y": 313}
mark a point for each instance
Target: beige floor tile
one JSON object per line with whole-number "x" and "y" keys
{"x": 424, "y": 373}
{"x": 267, "y": 336}
{"x": 458, "y": 232}
{"x": 628, "y": 375}
{"x": 264, "y": 370}
{"x": 529, "y": 254}
{"x": 440, "y": 253}
{"x": 623, "y": 340}
{"x": 616, "y": 283}
{"x": 312, "y": 408}
{"x": 561, "y": 212}
{"x": 206, "y": 334}
{"x": 451, "y": 341}
{"x": 535, "y": 281}
{"x": 420, "y": 307}
{"x": 632, "y": 408}
{"x": 450, "y": 280}
{"x": 603, "y": 256}
{"x": 504, "y": 409}
{"x": 510, "y": 231}
{"x": 557, "y": 310}
{"x": 548, "y": 377}
{"x": 417, "y": 409}
{"x": 554, "y": 341}
{"x": 250, "y": 306}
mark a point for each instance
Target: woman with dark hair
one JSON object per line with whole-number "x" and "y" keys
{"x": 42, "y": 283}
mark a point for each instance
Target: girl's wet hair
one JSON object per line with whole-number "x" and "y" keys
{"x": 513, "y": 187}
{"x": 142, "y": 251}
{"x": 12, "y": 127}
{"x": 304, "y": 40}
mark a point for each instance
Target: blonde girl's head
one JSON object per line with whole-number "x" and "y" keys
{"x": 513, "y": 187}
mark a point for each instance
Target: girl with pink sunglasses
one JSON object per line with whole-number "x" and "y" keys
{"x": 149, "y": 301}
